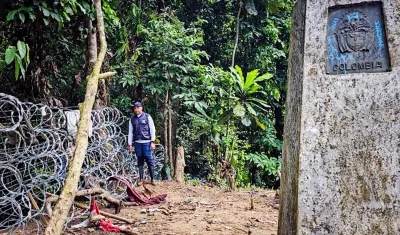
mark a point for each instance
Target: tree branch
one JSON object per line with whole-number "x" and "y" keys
{"x": 64, "y": 203}
{"x": 106, "y": 75}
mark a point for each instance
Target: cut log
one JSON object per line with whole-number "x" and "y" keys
{"x": 180, "y": 165}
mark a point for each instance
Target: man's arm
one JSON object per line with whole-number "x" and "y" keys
{"x": 152, "y": 129}
{"x": 130, "y": 134}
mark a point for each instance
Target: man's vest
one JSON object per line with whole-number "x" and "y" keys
{"x": 141, "y": 128}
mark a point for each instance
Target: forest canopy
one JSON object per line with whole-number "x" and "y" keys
{"x": 211, "y": 73}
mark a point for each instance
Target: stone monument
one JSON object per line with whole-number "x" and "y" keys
{"x": 341, "y": 154}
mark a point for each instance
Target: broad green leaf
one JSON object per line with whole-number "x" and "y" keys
{"x": 45, "y": 12}
{"x": 201, "y": 110}
{"x": 10, "y": 16}
{"x": 246, "y": 121}
{"x": 46, "y": 21}
{"x": 22, "y": 17}
{"x": 27, "y": 58}
{"x": 250, "y": 109}
{"x": 260, "y": 124}
{"x": 239, "y": 110}
{"x": 253, "y": 89}
{"x": 261, "y": 102}
{"x": 21, "y": 49}
{"x": 276, "y": 94}
{"x": 263, "y": 77}
{"x": 81, "y": 8}
{"x": 10, "y": 54}
{"x": 194, "y": 115}
{"x": 21, "y": 65}
{"x": 32, "y": 16}
{"x": 17, "y": 67}
{"x": 69, "y": 10}
{"x": 56, "y": 16}
{"x": 239, "y": 70}
{"x": 86, "y": 5}
{"x": 251, "y": 76}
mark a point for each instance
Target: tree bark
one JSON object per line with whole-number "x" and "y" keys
{"x": 232, "y": 65}
{"x": 171, "y": 155}
{"x": 91, "y": 55}
{"x": 64, "y": 203}
{"x": 165, "y": 114}
{"x": 180, "y": 165}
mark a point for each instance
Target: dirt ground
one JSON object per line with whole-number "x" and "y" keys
{"x": 200, "y": 209}
{"x": 196, "y": 209}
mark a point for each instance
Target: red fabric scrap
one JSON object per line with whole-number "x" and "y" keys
{"x": 105, "y": 225}
{"x": 133, "y": 196}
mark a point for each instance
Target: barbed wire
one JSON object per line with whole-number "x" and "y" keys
{"x": 36, "y": 144}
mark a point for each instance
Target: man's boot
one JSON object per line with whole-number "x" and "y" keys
{"x": 151, "y": 170}
{"x": 141, "y": 171}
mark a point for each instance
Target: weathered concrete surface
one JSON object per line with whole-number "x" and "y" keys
{"x": 348, "y": 148}
{"x": 291, "y": 148}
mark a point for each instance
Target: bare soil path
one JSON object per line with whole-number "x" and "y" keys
{"x": 201, "y": 209}
{"x": 198, "y": 209}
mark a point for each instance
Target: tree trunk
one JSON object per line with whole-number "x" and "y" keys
{"x": 180, "y": 165}
{"x": 230, "y": 89}
{"x": 64, "y": 203}
{"x": 165, "y": 114}
{"x": 91, "y": 55}
{"x": 171, "y": 155}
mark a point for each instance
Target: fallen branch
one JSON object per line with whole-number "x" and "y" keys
{"x": 35, "y": 205}
{"x": 86, "y": 192}
{"x": 82, "y": 206}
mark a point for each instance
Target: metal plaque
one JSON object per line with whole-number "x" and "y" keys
{"x": 356, "y": 39}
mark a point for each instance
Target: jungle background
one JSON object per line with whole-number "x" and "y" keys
{"x": 211, "y": 73}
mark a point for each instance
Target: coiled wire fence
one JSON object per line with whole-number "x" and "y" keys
{"x": 36, "y": 145}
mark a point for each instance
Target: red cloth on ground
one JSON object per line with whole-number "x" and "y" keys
{"x": 135, "y": 197}
{"x": 105, "y": 225}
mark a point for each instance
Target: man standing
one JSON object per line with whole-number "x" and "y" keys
{"x": 142, "y": 133}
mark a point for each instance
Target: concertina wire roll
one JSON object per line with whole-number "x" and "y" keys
{"x": 36, "y": 144}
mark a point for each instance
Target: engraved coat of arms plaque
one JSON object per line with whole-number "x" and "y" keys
{"x": 356, "y": 39}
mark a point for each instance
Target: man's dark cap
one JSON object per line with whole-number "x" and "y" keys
{"x": 136, "y": 104}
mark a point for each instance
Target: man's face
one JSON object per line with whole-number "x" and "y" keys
{"x": 138, "y": 110}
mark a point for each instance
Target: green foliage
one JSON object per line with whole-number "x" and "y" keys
{"x": 265, "y": 163}
{"x": 180, "y": 47}
{"x": 193, "y": 181}
{"x": 19, "y": 54}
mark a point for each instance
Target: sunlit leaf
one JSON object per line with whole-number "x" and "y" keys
{"x": 21, "y": 17}
{"x": 250, "y": 109}
{"x": 45, "y": 12}
{"x": 260, "y": 124}
{"x": 10, "y": 16}
{"x": 21, "y": 49}
{"x": 246, "y": 121}
{"x": 239, "y": 110}
{"x": 10, "y": 54}
{"x": 251, "y": 76}
{"x": 46, "y": 21}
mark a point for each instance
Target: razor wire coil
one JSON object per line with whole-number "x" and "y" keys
{"x": 36, "y": 147}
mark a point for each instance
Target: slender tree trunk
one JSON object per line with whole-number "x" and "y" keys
{"x": 237, "y": 35}
{"x": 64, "y": 203}
{"x": 165, "y": 114}
{"x": 232, "y": 64}
{"x": 91, "y": 55}
{"x": 170, "y": 148}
